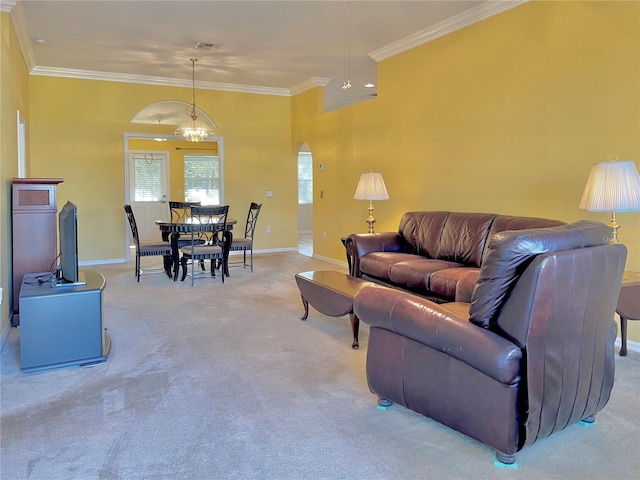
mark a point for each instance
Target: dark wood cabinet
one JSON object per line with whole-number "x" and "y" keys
{"x": 34, "y": 231}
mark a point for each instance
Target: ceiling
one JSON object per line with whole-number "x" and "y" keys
{"x": 274, "y": 47}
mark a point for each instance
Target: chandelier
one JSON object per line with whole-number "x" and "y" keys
{"x": 194, "y": 130}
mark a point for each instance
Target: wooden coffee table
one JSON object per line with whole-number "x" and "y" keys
{"x": 331, "y": 293}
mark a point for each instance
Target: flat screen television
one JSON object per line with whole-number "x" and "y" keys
{"x": 68, "y": 273}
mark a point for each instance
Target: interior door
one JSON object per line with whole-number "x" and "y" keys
{"x": 148, "y": 187}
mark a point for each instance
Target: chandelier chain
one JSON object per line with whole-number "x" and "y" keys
{"x": 194, "y": 130}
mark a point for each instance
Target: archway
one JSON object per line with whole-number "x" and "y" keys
{"x": 305, "y": 200}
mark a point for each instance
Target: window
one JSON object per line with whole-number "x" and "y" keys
{"x": 148, "y": 177}
{"x": 202, "y": 179}
{"x": 305, "y": 178}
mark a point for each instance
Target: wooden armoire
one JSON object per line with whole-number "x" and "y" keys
{"x": 34, "y": 231}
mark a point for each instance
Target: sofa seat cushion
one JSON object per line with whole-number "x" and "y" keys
{"x": 445, "y": 282}
{"x": 378, "y": 264}
{"x": 402, "y": 269}
{"x": 415, "y": 274}
{"x": 461, "y": 309}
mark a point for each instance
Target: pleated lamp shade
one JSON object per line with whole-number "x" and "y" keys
{"x": 612, "y": 187}
{"x": 371, "y": 187}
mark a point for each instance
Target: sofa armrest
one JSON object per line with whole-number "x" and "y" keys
{"x": 440, "y": 328}
{"x": 359, "y": 244}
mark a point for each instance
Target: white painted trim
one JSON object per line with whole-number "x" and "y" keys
{"x": 456, "y": 22}
{"x": 276, "y": 250}
{"x": 5, "y": 333}
{"x": 7, "y": 5}
{"x": 309, "y": 84}
{"x": 148, "y": 80}
{"x": 330, "y": 260}
{"x": 449, "y": 25}
{"x": 24, "y": 39}
{"x": 90, "y": 263}
{"x": 22, "y": 146}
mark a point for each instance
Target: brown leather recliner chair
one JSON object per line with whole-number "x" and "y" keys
{"x": 532, "y": 353}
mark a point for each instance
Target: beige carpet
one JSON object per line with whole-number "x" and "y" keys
{"x": 225, "y": 382}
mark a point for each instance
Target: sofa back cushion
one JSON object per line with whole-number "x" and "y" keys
{"x": 507, "y": 222}
{"x": 509, "y": 252}
{"x": 463, "y": 237}
{"x": 422, "y": 231}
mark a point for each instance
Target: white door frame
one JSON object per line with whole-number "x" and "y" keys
{"x": 131, "y": 136}
{"x": 147, "y": 212}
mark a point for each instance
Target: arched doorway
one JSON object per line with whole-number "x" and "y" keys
{"x": 305, "y": 200}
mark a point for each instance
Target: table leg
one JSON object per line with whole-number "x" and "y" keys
{"x": 228, "y": 241}
{"x": 355, "y": 327}
{"x": 168, "y": 260}
{"x": 175, "y": 254}
{"x": 306, "y": 308}
{"x": 623, "y": 336}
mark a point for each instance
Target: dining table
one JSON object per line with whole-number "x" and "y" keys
{"x": 172, "y": 230}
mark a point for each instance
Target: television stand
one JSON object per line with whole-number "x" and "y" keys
{"x": 62, "y": 283}
{"x": 62, "y": 327}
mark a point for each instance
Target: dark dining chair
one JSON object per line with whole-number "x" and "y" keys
{"x": 148, "y": 249}
{"x": 180, "y": 211}
{"x": 246, "y": 243}
{"x": 216, "y": 244}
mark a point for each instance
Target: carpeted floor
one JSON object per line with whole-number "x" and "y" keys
{"x": 225, "y": 382}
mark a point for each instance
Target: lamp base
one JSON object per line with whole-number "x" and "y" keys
{"x": 370, "y": 220}
{"x": 613, "y": 225}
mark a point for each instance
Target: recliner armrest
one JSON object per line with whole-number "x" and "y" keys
{"x": 441, "y": 328}
{"x": 359, "y": 244}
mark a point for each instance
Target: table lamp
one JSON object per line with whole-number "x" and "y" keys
{"x": 612, "y": 187}
{"x": 371, "y": 187}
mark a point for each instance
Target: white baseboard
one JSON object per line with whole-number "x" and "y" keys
{"x": 5, "y": 334}
{"x": 631, "y": 345}
{"x": 89, "y": 263}
{"x": 331, "y": 260}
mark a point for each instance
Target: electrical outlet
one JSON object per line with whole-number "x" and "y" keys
{"x": 324, "y": 235}
{"x": 268, "y": 228}
{"x": 269, "y": 193}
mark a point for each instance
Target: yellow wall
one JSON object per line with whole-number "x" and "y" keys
{"x": 505, "y": 116}
{"x": 14, "y": 94}
{"x": 78, "y": 133}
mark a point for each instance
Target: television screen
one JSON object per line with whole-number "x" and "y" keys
{"x": 68, "y": 227}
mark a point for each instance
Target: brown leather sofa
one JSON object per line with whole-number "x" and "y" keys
{"x": 434, "y": 254}
{"x": 529, "y": 354}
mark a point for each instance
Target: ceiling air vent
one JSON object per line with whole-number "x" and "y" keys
{"x": 207, "y": 46}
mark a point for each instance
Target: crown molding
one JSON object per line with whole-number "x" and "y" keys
{"x": 309, "y": 84}
{"x": 22, "y": 33}
{"x": 449, "y": 25}
{"x": 7, "y": 5}
{"x": 456, "y": 22}
{"x": 148, "y": 80}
